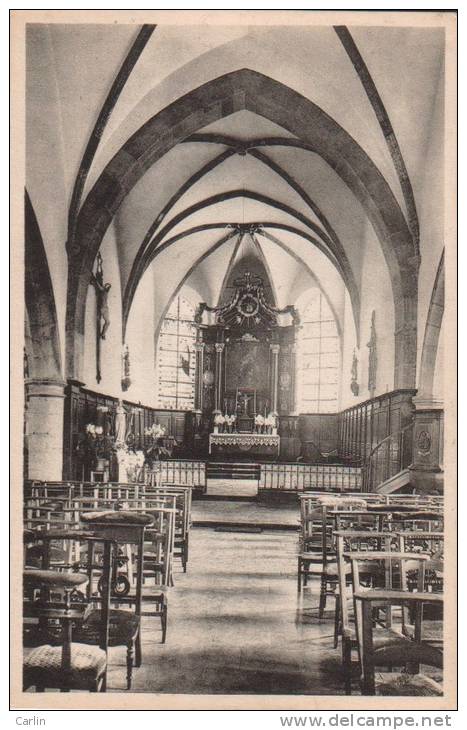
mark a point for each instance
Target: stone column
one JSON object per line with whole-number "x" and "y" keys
{"x": 44, "y": 428}
{"x": 405, "y": 355}
{"x": 199, "y": 349}
{"x": 219, "y": 373}
{"x": 426, "y": 470}
{"x": 274, "y": 376}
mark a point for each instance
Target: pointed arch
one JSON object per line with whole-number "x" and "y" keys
{"x": 43, "y": 341}
{"x": 214, "y": 100}
{"x": 432, "y": 330}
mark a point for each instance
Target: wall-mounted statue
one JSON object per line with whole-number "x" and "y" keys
{"x": 102, "y": 310}
{"x": 126, "y": 380}
{"x": 372, "y": 357}
{"x": 354, "y": 387}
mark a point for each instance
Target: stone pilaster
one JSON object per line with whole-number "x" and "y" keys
{"x": 427, "y": 462}
{"x": 405, "y": 356}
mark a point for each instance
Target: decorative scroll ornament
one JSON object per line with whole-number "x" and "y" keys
{"x": 248, "y": 308}
{"x": 354, "y": 387}
{"x": 372, "y": 357}
{"x": 126, "y": 380}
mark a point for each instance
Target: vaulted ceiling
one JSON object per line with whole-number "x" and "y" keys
{"x": 241, "y": 180}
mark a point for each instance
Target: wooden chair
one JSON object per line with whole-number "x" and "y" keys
{"x": 401, "y": 652}
{"x": 393, "y": 643}
{"x": 125, "y": 528}
{"x": 159, "y": 546}
{"x": 359, "y": 541}
{"x": 65, "y": 664}
{"x": 425, "y": 520}
{"x": 317, "y": 555}
{"x": 338, "y": 519}
{"x": 158, "y": 553}
{"x": 431, "y": 543}
{"x": 183, "y": 521}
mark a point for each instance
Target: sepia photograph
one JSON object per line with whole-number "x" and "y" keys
{"x": 232, "y": 250}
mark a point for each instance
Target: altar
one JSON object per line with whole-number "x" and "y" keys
{"x": 245, "y": 365}
{"x": 262, "y": 445}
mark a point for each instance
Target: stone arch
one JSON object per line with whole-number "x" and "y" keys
{"x": 42, "y": 342}
{"x": 255, "y": 92}
{"x": 432, "y": 331}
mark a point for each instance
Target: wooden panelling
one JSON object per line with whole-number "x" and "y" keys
{"x": 362, "y": 427}
{"x": 84, "y": 406}
{"x": 319, "y": 431}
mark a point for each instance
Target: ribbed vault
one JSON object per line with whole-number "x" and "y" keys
{"x": 313, "y": 132}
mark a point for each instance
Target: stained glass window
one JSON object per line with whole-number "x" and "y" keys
{"x": 176, "y": 357}
{"x": 318, "y": 358}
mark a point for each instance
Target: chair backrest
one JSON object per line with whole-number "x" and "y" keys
{"x": 348, "y": 541}
{"x": 60, "y": 576}
{"x": 396, "y": 565}
{"x": 160, "y": 537}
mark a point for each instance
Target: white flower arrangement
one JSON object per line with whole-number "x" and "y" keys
{"x": 271, "y": 420}
{"x": 156, "y": 431}
{"x": 259, "y": 420}
{"x": 219, "y": 419}
{"x": 94, "y": 430}
{"x": 230, "y": 420}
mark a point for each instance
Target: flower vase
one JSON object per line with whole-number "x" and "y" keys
{"x": 101, "y": 463}
{"x": 216, "y": 428}
{"x": 274, "y": 430}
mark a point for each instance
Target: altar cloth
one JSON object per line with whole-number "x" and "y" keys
{"x": 259, "y": 443}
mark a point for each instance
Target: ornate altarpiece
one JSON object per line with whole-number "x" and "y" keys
{"x": 245, "y": 356}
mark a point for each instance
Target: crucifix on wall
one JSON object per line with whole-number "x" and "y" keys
{"x": 102, "y": 311}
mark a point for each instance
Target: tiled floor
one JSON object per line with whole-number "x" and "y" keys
{"x": 236, "y": 625}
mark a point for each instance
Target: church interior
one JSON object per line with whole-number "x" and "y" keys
{"x": 233, "y": 359}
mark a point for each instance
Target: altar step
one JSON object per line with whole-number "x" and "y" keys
{"x": 232, "y": 488}
{"x": 233, "y": 470}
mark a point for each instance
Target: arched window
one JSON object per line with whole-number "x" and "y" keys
{"x": 176, "y": 357}
{"x": 318, "y": 358}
